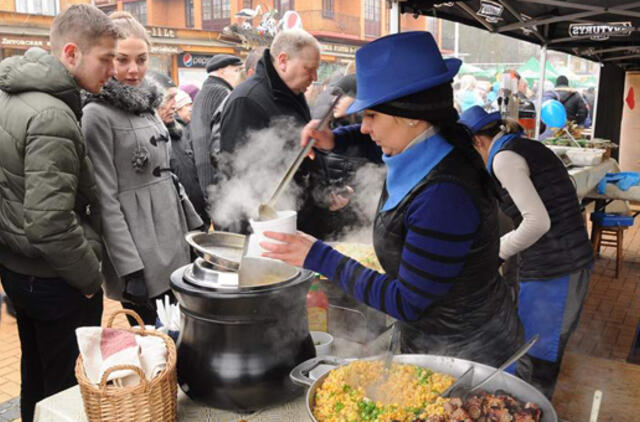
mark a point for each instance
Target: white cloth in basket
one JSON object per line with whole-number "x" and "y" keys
{"x": 103, "y": 348}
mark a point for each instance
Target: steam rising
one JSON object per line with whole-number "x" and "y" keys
{"x": 256, "y": 168}
{"x": 367, "y": 185}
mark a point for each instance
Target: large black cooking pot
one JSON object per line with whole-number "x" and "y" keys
{"x": 237, "y": 345}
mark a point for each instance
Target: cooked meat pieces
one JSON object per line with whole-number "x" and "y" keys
{"x": 486, "y": 407}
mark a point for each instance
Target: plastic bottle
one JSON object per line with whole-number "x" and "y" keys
{"x": 317, "y": 308}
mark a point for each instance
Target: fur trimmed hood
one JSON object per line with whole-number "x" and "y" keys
{"x": 145, "y": 98}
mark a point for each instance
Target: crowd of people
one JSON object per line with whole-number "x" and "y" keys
{"x": 105, "y": 165}
{"x": 579, "y": 103}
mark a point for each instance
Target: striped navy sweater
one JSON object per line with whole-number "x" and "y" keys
{"x": 441, "y": 223}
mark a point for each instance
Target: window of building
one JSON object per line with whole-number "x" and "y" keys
{"x": 215, "y": 14}
{"x": 206, "y": 10}
{"x": 372, "y": 18}
{"x": 138, "y": 9}
{"x": 38, "y": 7}
{"x": 189, "y": 19}
{"x": 283, "y": 5}
{"x": 327, "y": 9}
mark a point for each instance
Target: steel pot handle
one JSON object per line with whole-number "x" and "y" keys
{"x": 300, "y": 374}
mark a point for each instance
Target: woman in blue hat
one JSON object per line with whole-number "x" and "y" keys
{"x": 550, "y": 236}
{"x": 436, "y": 230}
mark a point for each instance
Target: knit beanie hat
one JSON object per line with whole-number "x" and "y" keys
{"x": 182, "y": 99}
{"x": 190, "y": 89}
{"x": 562, "y": 81}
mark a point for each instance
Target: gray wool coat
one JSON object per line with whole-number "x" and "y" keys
{"x": 143, "y": 214}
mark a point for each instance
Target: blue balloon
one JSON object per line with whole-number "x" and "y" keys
{"x": 553, "y": 113}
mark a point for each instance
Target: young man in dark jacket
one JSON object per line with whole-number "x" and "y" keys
{"x": 50, "y": 247}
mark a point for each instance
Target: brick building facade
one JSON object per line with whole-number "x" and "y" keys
{"x": 186, "y": 33}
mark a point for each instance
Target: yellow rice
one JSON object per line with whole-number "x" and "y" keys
{"x": 362, "y": 253}
{"x": 410, "y": 392}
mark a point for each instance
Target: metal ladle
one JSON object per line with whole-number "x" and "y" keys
{"x": 461, "y": 387}
{"x": 266, "y": 211}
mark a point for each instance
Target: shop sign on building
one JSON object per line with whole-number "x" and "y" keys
{"x": 340, "y": 49}
{"x": 165, "y": 49}
{"x": 11, "y": 42}
{"x": 158, "y": 32}
{"x": 193, "y": 60}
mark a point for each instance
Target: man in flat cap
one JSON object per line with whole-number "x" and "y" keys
{"x": 224, "y": 74}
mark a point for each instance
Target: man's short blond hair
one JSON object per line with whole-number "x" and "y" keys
{"x": 129, "y": 26}
{"x": 83, "y": 25}
{"x": 292, "y": 42}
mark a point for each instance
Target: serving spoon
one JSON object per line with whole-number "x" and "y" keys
{"x": 267, "y": 211}
{"x": 461, "y": 388}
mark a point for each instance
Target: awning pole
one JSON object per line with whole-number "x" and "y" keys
{"x": 456, "y": 46}
{"x": 543, "y": 74}
{"x": 394, "y": 17}
{"x": 595, "y": 101}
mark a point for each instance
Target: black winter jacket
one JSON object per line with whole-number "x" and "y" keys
{"x": 256, "y": 101}
{"x": 213, "y": 92}
{"x": 253, "y": 105}
{"x": 183, "y": 165}
{"x": 572, "y": 101}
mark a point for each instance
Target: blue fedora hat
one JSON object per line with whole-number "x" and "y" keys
{"x": 398, "y": 65}
{"x": 475, "y": 118}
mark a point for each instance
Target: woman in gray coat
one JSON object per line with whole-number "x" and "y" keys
{"x": 144, "y": 216}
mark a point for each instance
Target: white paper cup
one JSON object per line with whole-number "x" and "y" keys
{"x": 322, "y": 342}
{"x": 285, "y": 223}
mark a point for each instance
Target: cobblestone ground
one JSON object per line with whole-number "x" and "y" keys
{"x": 10, "y": 410}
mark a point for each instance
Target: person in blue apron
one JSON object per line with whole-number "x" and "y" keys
{"x": 436, "y": 231}
{"x": 550, "y": 235}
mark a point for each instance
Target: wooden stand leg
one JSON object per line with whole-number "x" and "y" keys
{"x": 597, "y": 236}
{"x": 619, "y": 238}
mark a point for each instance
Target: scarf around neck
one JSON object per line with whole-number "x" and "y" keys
{"x": 407, "y": 169}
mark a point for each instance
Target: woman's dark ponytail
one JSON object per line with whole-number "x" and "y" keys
{"x": 461, "y": 138}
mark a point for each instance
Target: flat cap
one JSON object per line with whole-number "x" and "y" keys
{"x": 222, "y": 60}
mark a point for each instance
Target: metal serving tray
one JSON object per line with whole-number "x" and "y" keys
{"x": 313, "y": 372}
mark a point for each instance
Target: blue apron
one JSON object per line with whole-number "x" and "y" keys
{"x": 541, "y": 309}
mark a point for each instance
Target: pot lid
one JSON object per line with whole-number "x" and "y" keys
{"x": 222, "y": 250}
{"x": 254, "y": 274}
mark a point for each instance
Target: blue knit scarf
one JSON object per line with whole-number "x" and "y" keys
{"x": 407, "y": 169}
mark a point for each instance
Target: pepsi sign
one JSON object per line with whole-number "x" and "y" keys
{"x": 193, "y": 60}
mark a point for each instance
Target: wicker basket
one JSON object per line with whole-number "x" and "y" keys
{"x": 153, "y": 400}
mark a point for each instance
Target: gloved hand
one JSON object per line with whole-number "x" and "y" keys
{"x": 135, "y": 288}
